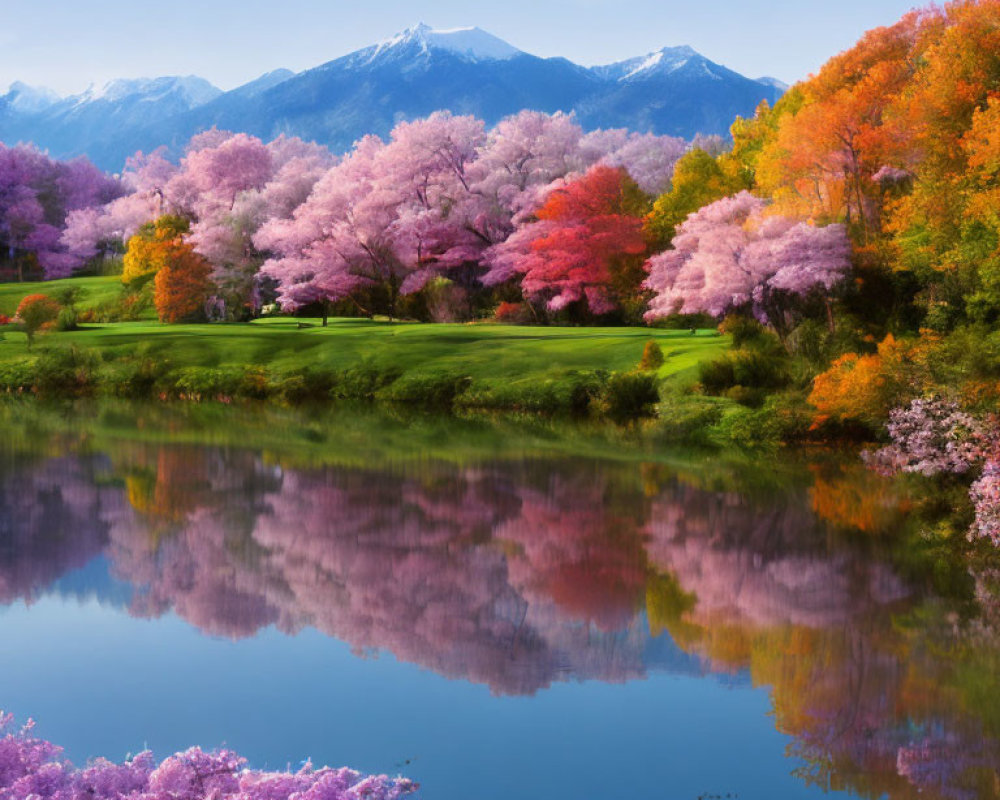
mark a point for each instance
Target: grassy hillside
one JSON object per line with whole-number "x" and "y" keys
{"x": 479, "y": 351}
{"x": 93, "y": 291}
{"x": 487, "y": 365}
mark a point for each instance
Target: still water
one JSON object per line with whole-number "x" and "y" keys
{"x": 493, "y": 612}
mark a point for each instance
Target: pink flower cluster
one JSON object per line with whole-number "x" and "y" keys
{"x": 932, "y": 436}
{"x": 33, "y": 768}
{"x": 985, "y": 494}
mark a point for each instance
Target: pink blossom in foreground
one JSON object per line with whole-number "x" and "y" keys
{"x": 985, "y": 494}
{"x": 929, "y": 437}
{"x": 33, "y": 769}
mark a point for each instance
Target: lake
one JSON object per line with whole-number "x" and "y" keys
{"x": 496, "y": 609}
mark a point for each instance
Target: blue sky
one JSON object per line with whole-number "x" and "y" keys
{"x": 67, "y": 44}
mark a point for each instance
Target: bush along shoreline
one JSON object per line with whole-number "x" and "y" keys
{"x": 74, "y": 372}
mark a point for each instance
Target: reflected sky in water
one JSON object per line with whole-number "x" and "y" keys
{"x": 523, "y": 625}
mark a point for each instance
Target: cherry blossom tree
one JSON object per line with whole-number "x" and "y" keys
{"x": 36, "y": 195}
{"x": 648, "y": 159}
{"x": 731, "y": 255}
{"x": 103, "y": 230}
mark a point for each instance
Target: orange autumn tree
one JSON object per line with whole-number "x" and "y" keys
{"x": 820, "y": 159}
{"x": 181, "y": 277}
{"x": 183, "y": 285}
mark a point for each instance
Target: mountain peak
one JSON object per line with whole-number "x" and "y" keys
{"x": 473, "y": 43}
{"x": 195, "y": 91}
{"x": 775, "y": 83}
{"x": 659, "y": 62}
{"x": 30, "y": 99}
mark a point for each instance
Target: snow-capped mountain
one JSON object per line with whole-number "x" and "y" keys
{"x": 75, "y": 125}
{"x": 420, "y": 70}
{"x": 471, "y": 44}
{"x": 25, "y": 99}
{"x": 675, "y": 90}
{"x": 189, "y": 91}
{"x": 661, "y": 62}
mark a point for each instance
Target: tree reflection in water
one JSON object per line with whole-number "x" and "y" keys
{"x": 518, "y": 573}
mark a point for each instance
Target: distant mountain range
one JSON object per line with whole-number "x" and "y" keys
{"x": 467, "y": 71}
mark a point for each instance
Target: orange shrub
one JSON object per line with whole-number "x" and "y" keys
{"x": 37, "y": 312}
{"x": 863, "y": 388}
{"x": 37, "y": 305}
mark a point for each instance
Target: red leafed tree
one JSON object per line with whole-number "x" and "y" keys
{"x": 587, "y": 243}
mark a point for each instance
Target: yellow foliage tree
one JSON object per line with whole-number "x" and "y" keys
{"x": 149, "y": 249}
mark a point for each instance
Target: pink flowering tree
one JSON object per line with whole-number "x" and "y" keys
{"x": 34, "y": 769}
{"x": 648, "y": 159}
{"x": 391, "y": 214}
{"x": 730, "y": 255}
{"x": 101, "y": 230}
{"x": 229, "y": 187}
{"x": 338, "y": 241}
{"x": 36, "y": 196}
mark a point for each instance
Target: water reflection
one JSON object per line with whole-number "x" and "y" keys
{"x": 519, "y": 573}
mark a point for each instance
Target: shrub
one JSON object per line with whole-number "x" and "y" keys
{"x": 134, "y": 378}
{"x": 65, "y": 371}
{"x": 862, "y": 388}
{"x": 364, "y": 382}
{"x": 750, "y": 368}
{"x": 66, "y": 321}
{"x": 687, "y": 420}
{"x": 70, "y": 296}
{"x": 304, "y": 385}
{"x": 437, "y": 390}
{"x": 744, "y": 330}
{"x": 17, "y": 376}
{"x": 750, "y": 429}
{"x": 571, "y": 393}
{"x": 35, "y": 312}
{"x": 513, "y": 314}
{"x": 652, "y": 357}
{"x": 4, "y": 319}
{"x": 629, "y": 395}
{"x": 207, "y": 383}
{"x": 745, "y": 395}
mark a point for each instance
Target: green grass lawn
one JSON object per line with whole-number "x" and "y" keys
{"x": 94, "y": 291}
{"x": 484, "y": 351}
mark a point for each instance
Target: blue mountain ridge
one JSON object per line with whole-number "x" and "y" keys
{"x": 673, "y": 91}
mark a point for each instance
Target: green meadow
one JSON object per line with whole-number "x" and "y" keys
{"x": 486, "y": 364}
